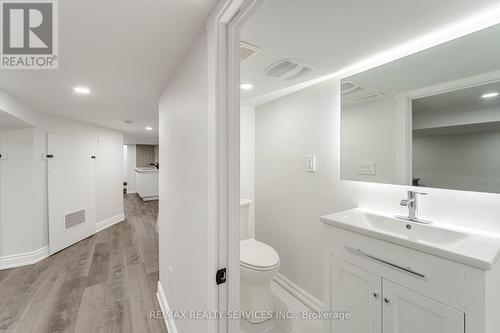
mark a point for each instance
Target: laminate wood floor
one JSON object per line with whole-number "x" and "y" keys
{"x": 105, "y": 283}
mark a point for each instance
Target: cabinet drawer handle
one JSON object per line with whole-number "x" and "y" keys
{"x": 360, "y": 253}
{"x": 375, "y": 295}
{"x": 387, "y": 300}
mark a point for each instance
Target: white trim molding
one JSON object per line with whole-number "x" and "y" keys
{"x": 109, "y": 222}
{"x": 23, "y": 259}
{"x": 309, "y": 300}
{"x": 223, "y": 31}
{"x": 165, "y": 309}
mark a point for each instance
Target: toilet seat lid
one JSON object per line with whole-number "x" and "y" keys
{"x": 257, "y": 254}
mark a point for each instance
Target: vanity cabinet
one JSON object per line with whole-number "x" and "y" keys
{"x": 409, "y": 312}
{"x": 377, "y": 305}
{"x": 359, "y": 292}
{"x": 395, "y": 287}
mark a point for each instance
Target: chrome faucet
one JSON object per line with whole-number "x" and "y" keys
{"x": 412, "y": 203}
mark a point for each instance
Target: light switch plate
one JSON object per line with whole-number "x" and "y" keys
{"x": 367, "y": 168}
{"x": 311, "y": 163}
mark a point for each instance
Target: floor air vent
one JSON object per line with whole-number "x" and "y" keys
{"x": 73, "y": 219}
{"x": 288, "y": 69}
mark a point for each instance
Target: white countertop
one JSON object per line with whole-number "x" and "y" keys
{"x": 146, "y": 170}
{"x": 471, "y": 247}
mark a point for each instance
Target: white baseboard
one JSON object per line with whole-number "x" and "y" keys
{"x": 165, "y": 309}
{"x": 23, "y": 259}
{"x": 309, "y": 300}
{"x": 109, "y": 222}
{"x": 29, "y": 258}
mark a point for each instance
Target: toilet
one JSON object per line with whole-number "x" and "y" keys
{"x": 259, "y": 265}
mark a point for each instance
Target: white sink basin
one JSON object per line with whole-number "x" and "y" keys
{"x": 410, "y": 230}
{"x": 458, "y": 244}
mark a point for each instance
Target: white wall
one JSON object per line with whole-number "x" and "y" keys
{"x": 247, "y": 162}
{"x": 184, "y": 190}
{"x": 131, "y": 162}
{"x": 125, "y": 163}
{"x": 17, "y": 178}
{"x": 460, "y": 161}
{"x": 29, "y": 232}
{"x": 369, "y": 134}
{"x": 290, "y": 201}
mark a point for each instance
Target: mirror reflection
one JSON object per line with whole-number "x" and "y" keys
{"x": 431, "y": 119}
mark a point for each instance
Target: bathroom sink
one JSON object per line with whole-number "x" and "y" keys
{"x": 463, "y": 245}
{"x": 413, "y": 231}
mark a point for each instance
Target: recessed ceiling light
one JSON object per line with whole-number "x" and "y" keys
{"x": 246, "y": 86}
{"x": 490, "y": 95}
{"x": 149, "y": 128}
{"x": 81, "y": 90}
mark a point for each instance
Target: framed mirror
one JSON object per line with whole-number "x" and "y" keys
{"x": 431, "y": 119}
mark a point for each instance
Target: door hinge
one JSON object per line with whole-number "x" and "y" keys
{"x": 220, "y": 277}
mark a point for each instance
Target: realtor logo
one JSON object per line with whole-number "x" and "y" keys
{"x": 29, "y": 34}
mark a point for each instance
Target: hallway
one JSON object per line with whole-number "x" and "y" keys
{"x": 105, "y": 283}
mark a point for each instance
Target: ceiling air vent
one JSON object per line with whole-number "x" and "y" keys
{"x": 349, "y": 87}
{"x": 247, "y": 51}
{"x": 367, "y": 97}
{"x": 73, "y": 219}
{"x": 303, "y": 71}
{"x": 288, "y": 69}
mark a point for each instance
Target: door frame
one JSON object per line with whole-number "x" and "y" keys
{"x": 223, "y": 28}
{"x": 56, "y": 231}
{"x": 223, "y": 35}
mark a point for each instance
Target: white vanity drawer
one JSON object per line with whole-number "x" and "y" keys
{"x": 434, "y": 277}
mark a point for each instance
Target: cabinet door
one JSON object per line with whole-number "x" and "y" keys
{"x": 358, "y": 292}
{"x": 405, "y": 311}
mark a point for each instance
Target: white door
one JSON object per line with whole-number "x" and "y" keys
{"x": 359, "y": 292}
{"x": 71, "y": 186}
{"x": 406, "y": 311}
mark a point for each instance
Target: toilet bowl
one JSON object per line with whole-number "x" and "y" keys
{"x": 259, "y": 265}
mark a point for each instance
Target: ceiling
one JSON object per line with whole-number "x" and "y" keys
{"x": 468, "y": 56}
{"x": 468, "y": 101}
{"x": 333, "y": 34}
{"x": 461, "y": 100}
{"x": 9, "y": 123}
{"x": 124, "y": 50}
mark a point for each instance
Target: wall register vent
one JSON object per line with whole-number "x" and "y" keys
{"x": 73, "y": 219}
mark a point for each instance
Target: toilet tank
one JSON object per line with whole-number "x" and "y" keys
{"x": 244, "y": 218}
